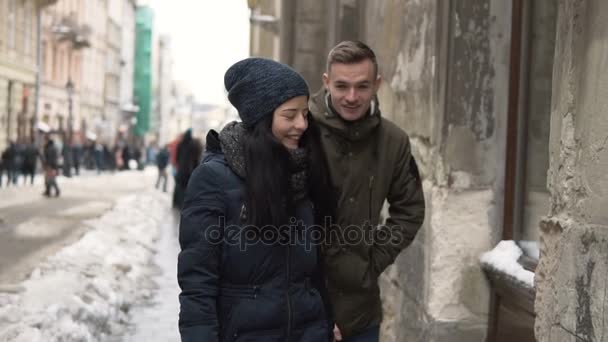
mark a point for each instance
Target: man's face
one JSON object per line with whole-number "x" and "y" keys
{"x": 352, "y": 88}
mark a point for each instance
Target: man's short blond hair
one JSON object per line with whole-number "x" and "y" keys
{"x": 349, "y": 52}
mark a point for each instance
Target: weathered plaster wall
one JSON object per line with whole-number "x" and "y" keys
{"x": 571, "y": 278}
{"x": 264, "y": 37}
{"x": 447, "y": 87}
{"x": 402, "y": 33}
{"x": 309, "y": 40}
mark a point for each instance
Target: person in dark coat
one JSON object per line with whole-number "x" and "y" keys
{"x": 162, "y": 161}
{"x": 9, "y": 161}
{"x": 30, "y": 159}
{"x": 51, "y": 168}
{"x": 249, "y": 267}
{"x": 5, "y": 165}
{"x": 188, "y": 157}
{"x": 77, "y": 157}
{"x": 370, "y": 163}
{"x": 66, "y": 153}
{"x": 2, "y": 166}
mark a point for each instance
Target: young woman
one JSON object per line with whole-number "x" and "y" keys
{"x": 249, "y": 268}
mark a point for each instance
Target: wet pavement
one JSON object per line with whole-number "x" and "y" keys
{"x": 33, "y": 227}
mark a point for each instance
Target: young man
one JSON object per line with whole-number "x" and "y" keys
{"x": 370, "y": 161}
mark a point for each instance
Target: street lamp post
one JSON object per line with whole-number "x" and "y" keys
{"x": 69, "y": 87}
{"x": 67, "y": 145}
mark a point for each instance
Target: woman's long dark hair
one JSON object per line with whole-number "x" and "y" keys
{"x": 268, "y": 196}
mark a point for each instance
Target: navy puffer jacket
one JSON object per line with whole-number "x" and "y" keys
{"x": 261, "y": 292}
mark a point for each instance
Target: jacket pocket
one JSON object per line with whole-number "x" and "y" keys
{"x": 349, "y": 271}
{"x": 244, "y": 292}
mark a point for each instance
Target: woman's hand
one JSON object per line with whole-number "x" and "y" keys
{"x": 337, "y": 333}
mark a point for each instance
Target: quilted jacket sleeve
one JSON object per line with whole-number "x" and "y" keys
{"x": 198, "y": 262}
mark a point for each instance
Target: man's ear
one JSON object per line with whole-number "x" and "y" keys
{"x": 378, "y": 82}
{"x": 326, "y": 80}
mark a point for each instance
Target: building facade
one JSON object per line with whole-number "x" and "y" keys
{"x": 164, "y": 90}
{"x": 113, "y": 72}
{"x": 94, "y": 119}
{"x": 87, "y": 68}
{"x": 65, "y": 35}
{"x": 501, "y": 102}
{"x": 143, "y": 69}
{"x": 127, "y": 102}
{"x": 18, "y": 68}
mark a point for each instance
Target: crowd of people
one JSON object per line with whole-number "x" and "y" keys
{"x": 22, "y": 161}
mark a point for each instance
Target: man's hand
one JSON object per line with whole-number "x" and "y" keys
{"x": 337, "y": 333}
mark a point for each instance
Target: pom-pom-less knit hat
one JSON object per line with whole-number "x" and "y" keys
{"x": 257, "y": 86}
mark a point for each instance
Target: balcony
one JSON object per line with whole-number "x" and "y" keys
{"x": 44, "y": 3}
{"x": 67, "y": 29}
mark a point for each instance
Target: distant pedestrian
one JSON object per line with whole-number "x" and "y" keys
{"x": 98, "y": 155}
{"x": 77, "y": 157}
{"x": 189, "y": 152}
{"x": 51, "y": 168}
{"x": 18, "y": 160}
{"x": 162, "y": 161}
{"x": 1, "y": 168}
{"x": 8, "y": 162}
{"x": 30, "y": 159}
{"x": 4, "y": 166}
{"x": 126, "y": 156}
{"x": 66, "y": 153}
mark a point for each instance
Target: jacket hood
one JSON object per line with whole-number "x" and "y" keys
{"x": 212, "y": 144}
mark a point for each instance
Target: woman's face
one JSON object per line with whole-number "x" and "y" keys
{"x": 290, "y": 120}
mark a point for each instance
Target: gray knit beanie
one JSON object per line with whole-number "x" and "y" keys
{"x": 257, "y": 86}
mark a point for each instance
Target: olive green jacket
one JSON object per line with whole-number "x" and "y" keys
{"x": 370, "y": 161}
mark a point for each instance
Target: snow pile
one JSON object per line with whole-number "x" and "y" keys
{"x": 504, "y": 258}
{"x": 84, "y": 292}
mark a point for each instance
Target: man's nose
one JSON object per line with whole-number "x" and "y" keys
{"x": 351, "y": 96}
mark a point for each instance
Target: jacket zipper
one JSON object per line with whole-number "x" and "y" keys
{"x": 371, "y": 198}
{"x": 287, "y": 293}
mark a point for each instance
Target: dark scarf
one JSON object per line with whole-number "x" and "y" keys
{"x": 231, "y": 138}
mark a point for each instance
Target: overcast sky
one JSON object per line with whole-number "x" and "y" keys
{"x": 207, "y": 37}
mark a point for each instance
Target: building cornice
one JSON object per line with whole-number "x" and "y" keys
{"x": 45, "y": 3}
{"x": 17, "y": 71}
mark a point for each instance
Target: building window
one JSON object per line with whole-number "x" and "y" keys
{"x": 532, "y": 198}
{"x": 526, "y": 199}
{"x": 11, "y": 22}
{"x": 28, "y": 36}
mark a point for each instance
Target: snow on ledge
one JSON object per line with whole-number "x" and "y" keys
{"x": 504, "y": 258}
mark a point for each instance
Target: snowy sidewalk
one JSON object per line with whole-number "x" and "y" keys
{"x": 83, "y": 292}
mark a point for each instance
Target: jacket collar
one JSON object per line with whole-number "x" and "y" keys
{"x": 323, "y": 112}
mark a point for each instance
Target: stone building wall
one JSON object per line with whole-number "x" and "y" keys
{"x": 445, "y": 76}
{"x": 571, "y": 279}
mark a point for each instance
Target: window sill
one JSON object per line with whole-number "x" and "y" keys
{"x": 513, "y": 292}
